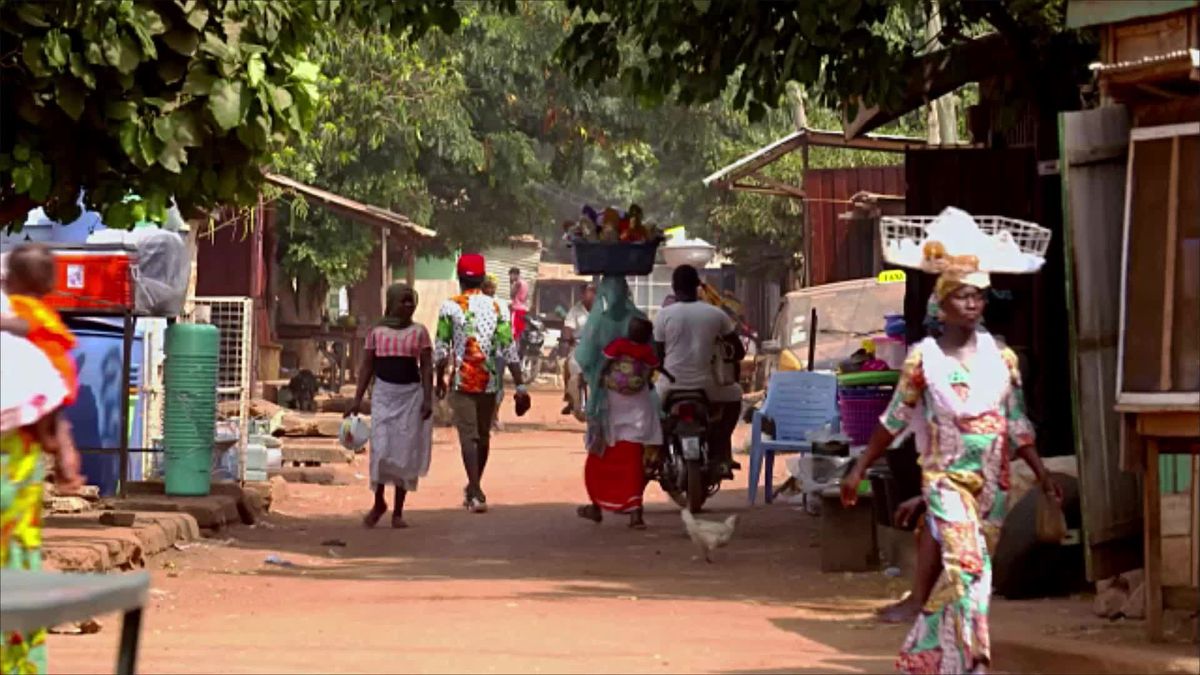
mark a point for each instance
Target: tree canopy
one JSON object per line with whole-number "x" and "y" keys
{"x": 846, "y": 49}
{"x": 162, "y": 98}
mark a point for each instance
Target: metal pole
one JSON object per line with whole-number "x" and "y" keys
{"x": 126, "y": 358}
{"x": 812, "y": 338}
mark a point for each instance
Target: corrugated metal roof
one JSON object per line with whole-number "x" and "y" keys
{"x": 1190, "y": 56}
{"x": 1082, "y": 13}
{"x": 363, "y": 213}
{"x": 729, "y": 175}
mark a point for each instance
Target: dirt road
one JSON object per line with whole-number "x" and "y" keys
{"x": 528, "y": 587}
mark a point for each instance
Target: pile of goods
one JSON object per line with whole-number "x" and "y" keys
{"x": 611, "y": 225}
{"x": 613, "y": 242}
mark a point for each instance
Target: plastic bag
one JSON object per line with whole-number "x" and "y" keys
{"x": 1051, "y": 522}
{"x": 354, "y": 433}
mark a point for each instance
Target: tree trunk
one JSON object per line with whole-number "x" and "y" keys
{"x": 942, "y": 116}
{"x": 301, "y": 305}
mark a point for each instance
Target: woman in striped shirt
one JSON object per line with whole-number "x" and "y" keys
{"x": 398, "y": 364}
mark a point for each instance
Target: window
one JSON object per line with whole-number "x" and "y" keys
{"x": 651, "y": 291}
{"x": 1160, "y": 336}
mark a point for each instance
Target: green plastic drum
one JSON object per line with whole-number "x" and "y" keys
{"x": 190, "y": 409}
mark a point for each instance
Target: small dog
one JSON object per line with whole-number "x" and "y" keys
{"x": 304, "y": 390}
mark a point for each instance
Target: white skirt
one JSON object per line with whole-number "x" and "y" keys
{"x": 401, "y": 442}
{"x": 633, "y": 418}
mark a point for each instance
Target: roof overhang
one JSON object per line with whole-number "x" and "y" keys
{"x": 934, "y": 75}
{"x": 745, "y": 174}
{"x": 1081, "y": 13}
{"x": 366, "y": 214}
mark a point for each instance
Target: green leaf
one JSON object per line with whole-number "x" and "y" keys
{"x": 80, "y": 69}
{"x": 197, "y": 17}
{"x": 31, "y": 54}
{"x": 255, "y": 69}
{"x": 94, "y": 54}
{"x": 213, "y": 45}
{"x": 225, "y": 103}
{"x": 150, "y": 20}
{"x": 173, "y": 156}
{"x": 187, "y": 128}
{"x": 22, "y": 179}
{"x": 128, "y": 137}
{"x": 199, "y": 81}
{"x": 120, "y": 110}
{"x": 122, "y": 54}
{"x": 182, "y": 41}
{"x": 171, "y": 71}
{"x": 71, "y": 96}
{"x": 149, "y": 146}
{"x": 281, "y": 100}
{"x": 164, "y": 129}
{"x": 33, "y": 14}
{"x": 21, "y": 153}
{"x": 305, "y": 71}
{"x": 57, "y": 48}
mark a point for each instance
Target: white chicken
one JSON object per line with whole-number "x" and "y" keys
{"x": 708, "y": 535}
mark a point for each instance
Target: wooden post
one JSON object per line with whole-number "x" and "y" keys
{"x": 410, "y": 266}
{"x": 1165, "y": 362}
{"x": 806, "y": 223}
{"x": 1152, "y": 532}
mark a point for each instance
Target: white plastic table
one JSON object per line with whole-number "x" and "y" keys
{"x": 32, "y": 600}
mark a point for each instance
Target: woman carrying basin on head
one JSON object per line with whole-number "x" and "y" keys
{"x": 961, "y": 392}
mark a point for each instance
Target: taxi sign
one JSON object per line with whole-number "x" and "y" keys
{"x": 892, "y": 277}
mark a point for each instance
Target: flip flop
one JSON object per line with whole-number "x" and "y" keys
{"x": 372, "y": 517}
{"x": 398, "y": 522}
{"x": 589, "y": 512}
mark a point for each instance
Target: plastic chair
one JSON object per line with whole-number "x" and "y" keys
{"x": 798, "y": 402}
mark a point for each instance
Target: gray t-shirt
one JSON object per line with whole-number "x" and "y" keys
{"x": 690, "y": 331}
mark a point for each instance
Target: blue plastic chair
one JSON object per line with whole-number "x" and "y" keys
{"x": 798, "y": 402}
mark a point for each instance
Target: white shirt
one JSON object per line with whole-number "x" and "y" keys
{"x": 690, "y": 331}
{"x": 577, "y": 318}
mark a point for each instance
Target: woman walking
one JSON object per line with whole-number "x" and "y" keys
{"x": 961, "y": 393}
{"x": 398, "y": 365}
{"x": 31, "y": 393}
{"x": 617, "y": 359}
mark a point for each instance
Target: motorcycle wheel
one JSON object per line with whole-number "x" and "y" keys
{"x": 697, "y": 493}
{"x": 529, "y": 369}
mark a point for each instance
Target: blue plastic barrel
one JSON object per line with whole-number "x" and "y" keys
{"x": 96, "y": 414}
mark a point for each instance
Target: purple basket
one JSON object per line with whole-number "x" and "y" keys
{"x": 860, "y": 408}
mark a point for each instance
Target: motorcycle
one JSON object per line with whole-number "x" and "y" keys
{"x": 532, "y": 340}
{"x": 687, "y": 472}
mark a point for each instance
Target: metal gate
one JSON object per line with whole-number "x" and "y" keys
{"x": 234, "y": 317}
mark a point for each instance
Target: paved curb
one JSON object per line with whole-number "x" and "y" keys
{"x": 79, "y": 543}
{"x": 1047, "y": 655}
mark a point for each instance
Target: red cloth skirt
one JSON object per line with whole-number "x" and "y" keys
{"x": 518, "y": 323}
{"x": 615, "y": 480}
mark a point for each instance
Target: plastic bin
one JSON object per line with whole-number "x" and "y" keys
{"x": 622, "y": 258}
{"x": 860, "y": 408}
{"x": 96, "y": 414}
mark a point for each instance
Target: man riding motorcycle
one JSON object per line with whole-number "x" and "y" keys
{"x": 686, "y": 334}
{"x": 573, "y": 325}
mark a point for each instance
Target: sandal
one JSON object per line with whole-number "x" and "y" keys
{"x": 590, "y": 512}
{"x": 373, "y": 516}
{"x": 398, "y": 522}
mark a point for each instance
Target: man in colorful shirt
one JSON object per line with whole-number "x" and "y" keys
{"x": 473, "y": 332}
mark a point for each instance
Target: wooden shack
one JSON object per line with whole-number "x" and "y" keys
{"x": 1149, "y": 67}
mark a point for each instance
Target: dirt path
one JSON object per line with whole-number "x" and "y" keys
{"x": 528, "y": 587}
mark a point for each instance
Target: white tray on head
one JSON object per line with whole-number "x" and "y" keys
{"x": 1016, "y": 247}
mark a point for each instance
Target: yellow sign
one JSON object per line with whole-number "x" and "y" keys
{"x": 892, "y": 277}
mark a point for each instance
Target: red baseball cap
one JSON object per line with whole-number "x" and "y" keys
{"x": 471, "y": 265}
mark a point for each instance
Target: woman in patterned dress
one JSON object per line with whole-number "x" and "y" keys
{"x": 31, "y": 393}
{"x": 961, "y": 394}
{"x": 398, "y": 365}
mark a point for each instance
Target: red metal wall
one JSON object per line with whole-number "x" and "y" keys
{"x": 842, "y": 250}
